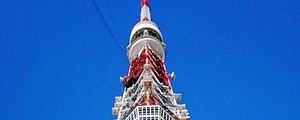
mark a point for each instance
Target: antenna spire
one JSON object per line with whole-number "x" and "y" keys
{"x": 145, "y": 11}
{"x": 145, "y": 2}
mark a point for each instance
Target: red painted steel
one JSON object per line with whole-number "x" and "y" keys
{"x": 137, "y": 67}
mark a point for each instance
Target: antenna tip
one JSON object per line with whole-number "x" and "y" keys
{"x": 145, "y": 2}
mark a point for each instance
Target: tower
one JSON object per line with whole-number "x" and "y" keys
{"x": 148, "y": 93}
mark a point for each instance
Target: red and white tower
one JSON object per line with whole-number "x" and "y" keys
{"x": 148, "y": 93}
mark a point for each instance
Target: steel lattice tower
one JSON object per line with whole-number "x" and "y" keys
{"x": 148, "y": 94}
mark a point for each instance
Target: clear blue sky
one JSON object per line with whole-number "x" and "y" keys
{"x": 234, "y": 59}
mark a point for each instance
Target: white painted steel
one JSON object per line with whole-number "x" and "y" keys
{"x": 145, "y": 12}
{"x": 135, "y": 48}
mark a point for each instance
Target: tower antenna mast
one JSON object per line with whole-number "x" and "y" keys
{"x": 148, "y": 94}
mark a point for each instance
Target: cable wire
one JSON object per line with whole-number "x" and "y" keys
{"x": 93, "y": 2}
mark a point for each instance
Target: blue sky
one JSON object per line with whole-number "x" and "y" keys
{"x": 233, "y": 60}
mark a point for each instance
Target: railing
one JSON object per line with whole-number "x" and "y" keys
{"x": 152, "y": 33}
{"x": 153, "y": 112}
